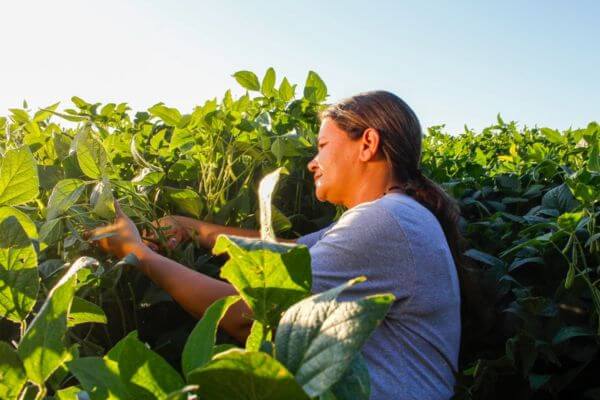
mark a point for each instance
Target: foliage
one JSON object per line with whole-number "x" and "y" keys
{"x": 58, "y": 181}
{"x": 78, "y": 323}
{"x": 530, "y": 206}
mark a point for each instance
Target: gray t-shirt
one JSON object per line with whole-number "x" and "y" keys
{"x": 400, "y": 247}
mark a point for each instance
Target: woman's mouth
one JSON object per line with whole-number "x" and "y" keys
{"x": 317, "y": 178}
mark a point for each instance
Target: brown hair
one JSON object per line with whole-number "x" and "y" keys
{"x": 400, "y": 141}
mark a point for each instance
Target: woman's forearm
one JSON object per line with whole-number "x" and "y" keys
{"x": 194, "y": 291}
{"x": 205, "y": 233}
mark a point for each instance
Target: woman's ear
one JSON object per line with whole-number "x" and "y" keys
{"x": 369, "y": 144}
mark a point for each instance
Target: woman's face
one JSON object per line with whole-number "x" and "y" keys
{"x": 334, "y": 165}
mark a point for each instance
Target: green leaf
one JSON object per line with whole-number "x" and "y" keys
{"x": 146, "y": 374}
{"x": 315, "y": 89}
{"x": 12, "y": 375}
{"x": 242, "y": 375}
{"x": 593, "y": 164}
{"x": 200, "y": 343}
{"x": 258, "y": 334}
{"x": 19, "y": 280}
{"x": 100, "y": 377}
{"x": 44, "y": 114}
{"x": 42, "y": 347}
{"x": 181, "y": 139}
{"x": 170, "y": 116}
{"x": 102, "y": 200}
{"x": 26, "y": 223}
{"x": 484, "y": 258}
{"x": 83, "y": 311}
{"x": 569, "y": 221}
{"x": 567, "y": 332}
{"x": 71, "y": 393}
{"x": 355, "y": 384}
{"x": 286, "y": 91}
{"x": 270, "y": 277}
{"x": 536, "y": 381}
{"x": 18, "y": 115}
{"x": 185, "y": 200}
{"x": 79, "y": 102}
{"x": 64, "y": 195}
{"x": 268, "y": 83}
{"x": 552, "y": 135}
{"x": 518, "y": 262}
{"x": 115, "y": 352}
{"x": 247, "y": 79}
{"x": 559, "y": 198}
{"x": 318, "y": 338}
{"x": 148, "y": 177}
{"x": 91, "y": 155}
{"x": 19, "y": 182}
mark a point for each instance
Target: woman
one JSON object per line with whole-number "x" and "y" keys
{"x": 400, "y": 230}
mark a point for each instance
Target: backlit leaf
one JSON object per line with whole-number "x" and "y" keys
{"x": 19, "y": 182}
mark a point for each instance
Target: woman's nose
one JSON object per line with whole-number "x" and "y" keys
{"x": 312, "y": 164}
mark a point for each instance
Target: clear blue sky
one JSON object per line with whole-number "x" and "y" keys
{"x": 454, "y": 62}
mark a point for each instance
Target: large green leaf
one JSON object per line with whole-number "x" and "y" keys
{"x": 170, "y": 116}
{"x": 268, "y": 83}
{"x": 12, "y": 375}
{"x": 64, "y": 195}
{"x": 19, "y": 182}
{"x": 594, "y": 155}
{"x": 270, "y": 277}
{"x": 26, "y": 222}
{"x": 100, "y": 377}
{"x": 552, "y": 135}
{"x": 242, "y": 375}
{"x": 146, "y": 374}
{"x": 315, "y": 89}
{"x": 318, "y": 338}
{"x": 42, "y": 347}
{"x": 19, "y": 280}
{"x": 286, "y": 91}
{"x": 247, "y": 79}
{"x": 559, "y": 198}
{"x": 199, "y": 346}
{"x": 91, "y": 155}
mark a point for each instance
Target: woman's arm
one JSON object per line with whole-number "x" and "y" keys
{"x": 194, "y": 291}
{"x": 181, "y": 228}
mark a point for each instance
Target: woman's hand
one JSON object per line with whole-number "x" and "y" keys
{"x": 120, "y": 238}
{"x": 174, "y": 228}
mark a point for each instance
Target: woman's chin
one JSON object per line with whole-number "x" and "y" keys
{"x": 319, "y": 194}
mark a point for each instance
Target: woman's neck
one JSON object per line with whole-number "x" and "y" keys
{"x": 373, "y": 186}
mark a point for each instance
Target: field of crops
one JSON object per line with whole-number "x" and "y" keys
{"x": 75, "y": 322}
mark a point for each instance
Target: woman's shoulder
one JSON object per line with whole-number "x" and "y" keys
{"x": 397, "y": 207}
{"x": 396, "y": 217}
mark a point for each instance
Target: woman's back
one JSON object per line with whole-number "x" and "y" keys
{"x": 400, "y": 246}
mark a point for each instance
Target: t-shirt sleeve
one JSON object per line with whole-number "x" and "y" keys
{"x": 368, "y": 241}
{"x": 310, "y": 239}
